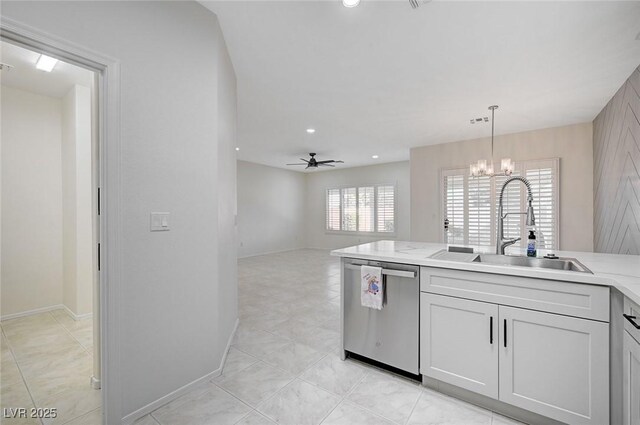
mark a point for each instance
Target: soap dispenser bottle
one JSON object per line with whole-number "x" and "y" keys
{"x": 531, "y": 244}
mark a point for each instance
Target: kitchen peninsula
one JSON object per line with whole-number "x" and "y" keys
{"x": 542, "y": 345}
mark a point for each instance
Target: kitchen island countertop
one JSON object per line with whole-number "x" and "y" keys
{"x": 616, "y": 270}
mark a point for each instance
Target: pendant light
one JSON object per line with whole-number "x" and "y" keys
{"x": 482, "y": 167}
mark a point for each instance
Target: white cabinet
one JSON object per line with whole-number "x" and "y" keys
{"x": 459, "y": 342}
{"x": 631, "y": 380}
{"x": 551, "y": 364}
{"x": 555, "y": 365}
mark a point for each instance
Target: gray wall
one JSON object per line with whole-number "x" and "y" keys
{"x": 173, "y": 295}
{"x": 573, "y": 144}
{"x": 616, "y": 179}
{"x": 271, "y": 209}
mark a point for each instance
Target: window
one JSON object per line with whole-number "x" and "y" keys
{"x": 470, "y": 205}
{"x": 366, "y": 209}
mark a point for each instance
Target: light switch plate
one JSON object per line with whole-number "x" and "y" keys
{"x": 159, "y": 221}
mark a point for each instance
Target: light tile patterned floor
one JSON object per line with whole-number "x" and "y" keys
{"x": 283, "y": 366}
{"x": 47, "y": 362}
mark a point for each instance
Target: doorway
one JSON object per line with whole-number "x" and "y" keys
{"x": 50, "y": 304}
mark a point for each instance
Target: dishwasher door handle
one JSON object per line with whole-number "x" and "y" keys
{"x": 388, "y": 272}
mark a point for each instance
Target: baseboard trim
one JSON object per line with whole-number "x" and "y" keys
{"x": 32, "y": 312}
{"x": 145, "y": 410}
{"x": 270, "y": 252}
{"x": 77, "y": 317}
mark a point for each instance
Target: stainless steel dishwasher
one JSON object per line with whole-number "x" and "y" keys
{"x": 390, "y": 335}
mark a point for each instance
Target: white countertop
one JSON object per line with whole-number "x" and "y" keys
{"x": 619, "y": 271}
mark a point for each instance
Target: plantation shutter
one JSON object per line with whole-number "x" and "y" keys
{"x": 543, "y": 178}
{"x": 386, "y": 206}
{"x": 333, "y": 209}
{"x": 349, "y": 209}
{"x": 454, "y": 207}
{"x": 479, "y": 211}
{"x": 366, "y": 209}
{"x": 470, "y": 205}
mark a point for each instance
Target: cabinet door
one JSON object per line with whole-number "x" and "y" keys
{"x": 557, "y": 366}
{"x": 459, "y": 342}
{"x": 631, "y": 380}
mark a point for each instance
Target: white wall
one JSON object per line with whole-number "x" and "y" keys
{"x": 573, "y": 144}
{"x": 271, "y": 209}
{"x": 77, "y": 210}
{"x": 318, "y": 182}
{"x": 227, "y": 189}
{"x": 170, "y": 116}
{"x": 31, "y": 201}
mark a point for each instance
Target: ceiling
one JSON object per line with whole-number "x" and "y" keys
{"x": 25, "y": 76}
{"x": 381, "y": 78}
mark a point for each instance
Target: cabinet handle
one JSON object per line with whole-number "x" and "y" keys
{"x": 491, "y": 330}
{"x": 631, "y": 320}
{"x": 505, "y": 333}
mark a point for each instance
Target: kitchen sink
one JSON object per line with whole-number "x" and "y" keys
{"x": 566, "y": 264}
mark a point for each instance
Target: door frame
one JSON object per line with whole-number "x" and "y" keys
{"x": 109, "y": 164}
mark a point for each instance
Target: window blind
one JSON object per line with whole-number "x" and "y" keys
{"x": 479, "y": 215}
{"x": 386, "y": 206}
{"x": 349, "y": 209}
{"x": 366, "y": 209}
{"x": 544, "y": 205}
{"x": 454, "y": 209}
{"x": 333, "y": 209}
{"x": 470, "y": 205}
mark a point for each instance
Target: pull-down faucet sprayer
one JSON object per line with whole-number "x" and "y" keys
{"x": 501, "y": 242}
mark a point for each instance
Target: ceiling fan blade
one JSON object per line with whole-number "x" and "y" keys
{"x": 302, "y": 159}
{"x": 299, "y": 163}
{"x": 325, "y": 164}
{"x": 328, "y": 161}
{"x": 340, "y": 162}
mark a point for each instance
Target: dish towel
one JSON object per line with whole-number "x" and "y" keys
{"x": 372, "y": 287}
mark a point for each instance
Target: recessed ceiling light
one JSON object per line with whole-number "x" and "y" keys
{"x": 375, "y": 156}
{"x": 311, "y": 130}
{"x": 237, "y": 149}
{"x": 350, "y": 3}
{"x": 46, "y": 63}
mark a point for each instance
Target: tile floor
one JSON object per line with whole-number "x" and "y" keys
{"x": 283, "y": 366}
{"x": 46, "y": 361}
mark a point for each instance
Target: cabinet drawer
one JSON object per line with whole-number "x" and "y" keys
{"x": 572, "y": 299}
{"x": 632, "y": 310}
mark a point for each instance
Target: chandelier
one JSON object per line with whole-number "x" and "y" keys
{"x": 484, "y": 168}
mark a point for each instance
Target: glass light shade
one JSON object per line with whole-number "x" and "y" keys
{"x": 482, "y": 166}
{"x": 489, "y": 170}
{"x": 473, "y": 170}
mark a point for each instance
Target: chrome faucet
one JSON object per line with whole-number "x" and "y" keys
{"x": 501, "y": 242}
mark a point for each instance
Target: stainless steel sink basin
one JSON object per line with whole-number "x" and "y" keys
{"x": 566, "y": 264}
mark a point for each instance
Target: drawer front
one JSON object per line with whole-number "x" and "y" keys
{"x": 632, "y": 310}
{"x": 572, "y": 299}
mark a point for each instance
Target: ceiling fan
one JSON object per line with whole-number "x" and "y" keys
{"x": 313, "y": 163}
